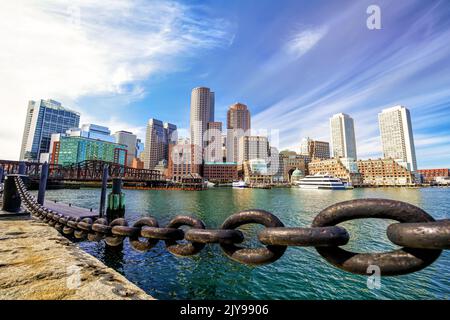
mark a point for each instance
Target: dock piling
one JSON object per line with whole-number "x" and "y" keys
{"x": 116, "y": 201}
{"x": 43, "y": 183}
{"x": 101, "y": 211}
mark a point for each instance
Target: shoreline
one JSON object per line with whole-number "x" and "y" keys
{"x": 38, "y": 263}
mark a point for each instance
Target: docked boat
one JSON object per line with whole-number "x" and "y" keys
{"x": 239, "y": 184}
{"x": 321, "y": 182}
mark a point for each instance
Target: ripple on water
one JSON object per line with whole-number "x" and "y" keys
{"x": 300, "y": 274}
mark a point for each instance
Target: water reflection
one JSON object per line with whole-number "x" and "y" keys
{"x": 300, "y": 274}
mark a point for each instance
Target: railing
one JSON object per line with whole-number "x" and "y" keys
{"x": 421, "y": 237}
{"x": 90, "y": 170}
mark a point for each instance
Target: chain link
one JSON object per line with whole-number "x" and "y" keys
{"x": 421, "y": 237}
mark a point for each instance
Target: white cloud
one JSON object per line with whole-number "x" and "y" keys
{"x": 305, "y": 40}
{"x": 70, "y": 49}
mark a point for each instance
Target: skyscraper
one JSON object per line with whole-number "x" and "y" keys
{"x": 202, "y": 112}
{"x": 254, "y": 148}
{"x": 238, "y": 125}
{"x": 158, "y": 137}
{"x": 44, "y": 118}
{"x": 343, "y": 136}
{"x": 397, "y": 137}
{"x": 128, "y": 139}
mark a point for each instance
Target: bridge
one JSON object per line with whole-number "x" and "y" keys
{"x": 89, "y": 170}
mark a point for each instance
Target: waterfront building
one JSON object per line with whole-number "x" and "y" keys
{"x": 68, "y": 150}
{"x": 432, "y": 175}
{"x": 220, "y": 172}
{"x": 341, "y": 168}
{"x": 292, "y": 161}
{"x": 397, "y": 136}
{"x": 238, "y": 125}
{"x": 384, "y": 172}
{"x": 202, "y": 112}
{"x": 297, "y": 175}
{"x": 315, "y": 149}
{"x": 184, "y": 162}
{"x": 162, "y": 167}
{"x": 256, "y": 172}
{"x": 128, "y": 139}
{"x": 213, "y": 148}
{"x": 137, "y": 163}
{"x": 343, "y": 136}
{"x": 44, "y": 118}
{"x": 159, "y": 136}
{"x": 253, "y": 147}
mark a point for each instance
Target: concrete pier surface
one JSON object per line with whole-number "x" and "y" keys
{"x": 38, "y": 263}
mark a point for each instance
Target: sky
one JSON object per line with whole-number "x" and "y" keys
{"x": 294, "y": 63}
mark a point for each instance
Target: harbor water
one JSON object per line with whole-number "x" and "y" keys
{"x": 300, "y": 273}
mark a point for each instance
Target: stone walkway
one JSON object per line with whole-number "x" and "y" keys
{"x": 36, "y": 262}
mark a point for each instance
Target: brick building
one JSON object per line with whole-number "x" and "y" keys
{"x": 384, "y": 172}
{"x": 221, "y": 172}
{"x": 430, "y": 175}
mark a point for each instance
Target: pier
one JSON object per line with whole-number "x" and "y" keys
{"x": 37, "y": 263}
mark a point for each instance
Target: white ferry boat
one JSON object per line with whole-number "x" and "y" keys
{"x": 239, "y": 184}
{"x": 321, "y": 182}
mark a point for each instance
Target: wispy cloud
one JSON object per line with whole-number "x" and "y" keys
{"x": 304, "y": 41}
{"x": 67, "y": 50}
{"x": 375, "y": 72}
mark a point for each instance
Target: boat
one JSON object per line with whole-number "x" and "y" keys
{"x": 319, "y": 181}
{"x": 209, "y": 184}
{"x": 239, "y": 184}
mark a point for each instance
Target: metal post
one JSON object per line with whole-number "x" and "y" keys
{"x": 116, "y": 201}
{"x": 11, "y": 197}
{"x": 22, "y": 168}
{"x": 101, "y": 211}
{"x": 43, "y": 183}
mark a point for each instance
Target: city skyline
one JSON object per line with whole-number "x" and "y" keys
{"x": 301, "y": 96}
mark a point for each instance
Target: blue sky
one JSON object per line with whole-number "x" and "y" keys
{"x": 294, "y": 63}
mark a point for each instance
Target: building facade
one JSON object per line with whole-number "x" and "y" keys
{"x": 397, "y": 136}
{"x": 253, "y": 147}
{"x": 238, "y": 125}
{"x": 431, "y": 175}
{"x": 72, "y": 150}
{"x": 343, "y": 138}
{"x": 128, "y": 139}
{"x": 184, "y": 161}
{"x": 315, "y": 149}
{"x": 159, "y": 136}
{"x": 338, "y": 169}
{"x": 384, "y": 172}
{"x": 44, "y": 118}
{"x": 202, "y": 112}
{"x": 220, "y": 172}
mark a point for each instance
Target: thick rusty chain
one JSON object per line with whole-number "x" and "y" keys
{"x": 421, "y": 237}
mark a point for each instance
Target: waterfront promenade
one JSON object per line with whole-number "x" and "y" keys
{"x": 36, "y": 262}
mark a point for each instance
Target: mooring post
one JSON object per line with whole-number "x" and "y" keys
{"x": 101, "y": 211}
{"x": 11, "y": 197}
{"x": 22, "y": 168}
{"x": 43, "y": 183}
{"x": 116, "y": 201}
